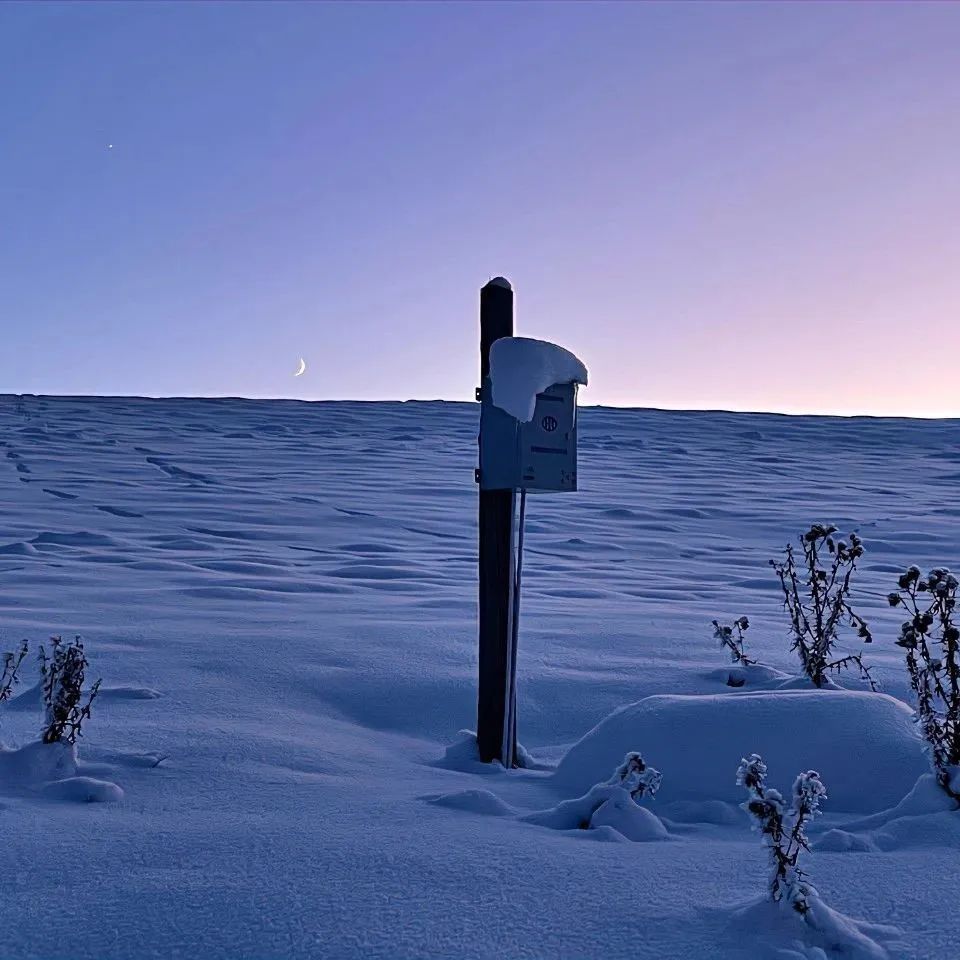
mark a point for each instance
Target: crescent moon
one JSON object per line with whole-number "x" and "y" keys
{"x": 303, "y": 367}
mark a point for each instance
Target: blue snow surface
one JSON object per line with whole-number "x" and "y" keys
{"x": 280, "y": 598}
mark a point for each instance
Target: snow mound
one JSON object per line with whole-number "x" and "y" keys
{"x": 472, "y": 801}
{"x": 863, "y": 744}
{"x": 842, "y": 841}
{"x": 521, "y": 367}
{"x": 82, "y": 790}
{"x": 601, "y": 835}
{"x": 925, "y": 817}
{"x": 636, "y": 823}
{"x": 703, "y": 811}
{"x": 464, "y": 755}
{"x": 823, "y": 933}
{"x": 605, "y": 805}
{"x": 50, "y": 769}
{"x": 924, "y": 797}
{"x": 36, "y": 763}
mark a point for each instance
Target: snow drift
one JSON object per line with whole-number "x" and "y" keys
{"x": 604, "y": 805}
{"x": 863, "y": 744}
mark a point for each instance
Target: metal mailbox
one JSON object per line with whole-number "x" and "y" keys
{"x": 538, "y": 455}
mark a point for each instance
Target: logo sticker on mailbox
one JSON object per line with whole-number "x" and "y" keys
{"x": 549, "y": 424}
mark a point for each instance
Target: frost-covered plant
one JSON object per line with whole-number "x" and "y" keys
{"x": 636, "y": 777}
{"x": 62, "y": 676}
{"x": 931, "y": 641}
{"x": 732, "y": 639}
{"x": 816, "y": 596}
{"x": 783, "y": 830}
{"x": 633, "y": 776}
{"x": 8, "y": 676}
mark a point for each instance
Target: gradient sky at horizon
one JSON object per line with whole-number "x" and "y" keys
{"x": 741, "y": 206}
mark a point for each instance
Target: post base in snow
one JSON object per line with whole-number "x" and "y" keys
{"x": 464, "y": 754}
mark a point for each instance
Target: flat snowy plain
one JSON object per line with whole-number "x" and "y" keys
{"x": 280, "y": 598}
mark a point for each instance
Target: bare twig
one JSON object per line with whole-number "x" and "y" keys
{"x": 931, "y": 641}
{"x": 816, "y": 596}
{"x": 9, "y": 676}
{"x": 62, "y": 676}
{"x": 732, "y": 638}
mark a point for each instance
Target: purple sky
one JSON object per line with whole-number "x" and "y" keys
{"x": 748, "y": 206}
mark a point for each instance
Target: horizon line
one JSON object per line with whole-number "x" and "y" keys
{"x": 838, "y": 415}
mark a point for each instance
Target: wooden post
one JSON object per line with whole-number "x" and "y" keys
{"x": 496, "y": 728}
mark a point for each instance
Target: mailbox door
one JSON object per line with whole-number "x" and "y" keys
{"x": 548, "y": 443}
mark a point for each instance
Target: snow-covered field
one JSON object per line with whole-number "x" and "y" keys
{"x": 280, "y": 598}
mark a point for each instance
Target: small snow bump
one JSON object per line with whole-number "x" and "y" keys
{"x": 83, "y": 790}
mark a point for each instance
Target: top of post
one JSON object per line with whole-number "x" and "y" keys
{"x": 496, "y": 318}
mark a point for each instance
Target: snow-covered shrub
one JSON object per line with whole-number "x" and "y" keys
{"x": 632, "y": 777}
{"x": 62, "y": 676}
{"x": 733, "y": 642}
{"x": 636, "y": 777}
{"x": 816, "y": 596}
{"x": 931, "y": 641}
{"x": 8, "y": 676}
{"x": 783, "y": 829}
{"x": 611, "y": 806}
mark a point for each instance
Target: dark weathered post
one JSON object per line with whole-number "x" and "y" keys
{"x": 496, "y": 728}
